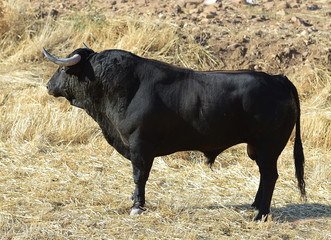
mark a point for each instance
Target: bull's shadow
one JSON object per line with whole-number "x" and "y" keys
{"x": 293, "y": 212}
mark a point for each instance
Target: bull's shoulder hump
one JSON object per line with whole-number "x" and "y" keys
{"x": 168, "y": 66}
{"x": 117, "y": 53}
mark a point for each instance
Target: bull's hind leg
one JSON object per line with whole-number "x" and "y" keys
{"x": 267, "y": 163}
{"x": 258, "y": 198}
{"x": 252, "y": 153}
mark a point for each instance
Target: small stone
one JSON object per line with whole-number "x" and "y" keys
{"x": 281, "y": 12}
{"x": 140, "y": 2}
{"x": 209, "y": 2}
{"x": 233, "y": 46}
{"x": 238, "y": 2}
{"x": 269, "y": 5}
{"x": 313, "y": 7}
{"x": 283, "y": 5}
{"x": 299, "y": 21}
{"x": 305, "y": 33}
{"x": 257, "y": 68}
{"x": 305, "y": 54}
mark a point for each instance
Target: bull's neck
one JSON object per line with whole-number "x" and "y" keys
{"x": 108, "y": 127}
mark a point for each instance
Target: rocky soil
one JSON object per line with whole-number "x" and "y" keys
{"x": 273, "y": 36}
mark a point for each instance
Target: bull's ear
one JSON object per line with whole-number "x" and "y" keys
{"x": 89, "y": 72}
{"x": 84, "y": 71}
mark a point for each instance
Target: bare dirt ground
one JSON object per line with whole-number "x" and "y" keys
{"x": 268, "y": 35}
{"x": 59, "y": 179}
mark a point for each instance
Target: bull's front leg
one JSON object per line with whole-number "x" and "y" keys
{"x": 141, "y": 164}
{"x": 140, "y": 176}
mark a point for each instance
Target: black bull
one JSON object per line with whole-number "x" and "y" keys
{"x": 147, "y": 108}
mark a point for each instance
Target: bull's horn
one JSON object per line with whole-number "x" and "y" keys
{"x": 85, "y": 46}
{"x": 63, "y": 62}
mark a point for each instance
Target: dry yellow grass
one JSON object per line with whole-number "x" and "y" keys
{"x": 59, "y": 179}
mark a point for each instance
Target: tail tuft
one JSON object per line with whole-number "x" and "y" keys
{"x": 210, "y": 163}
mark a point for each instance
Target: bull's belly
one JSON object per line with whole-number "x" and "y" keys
{"x": 183, "y": 141}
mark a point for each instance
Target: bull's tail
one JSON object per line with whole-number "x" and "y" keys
{"x": 299, "y": 159}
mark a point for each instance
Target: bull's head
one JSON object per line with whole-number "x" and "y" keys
{"x": 69, "y": 80}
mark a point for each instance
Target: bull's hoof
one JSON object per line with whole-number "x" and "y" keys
{"x": 261, "y": 217}
{"x": 255, "y": 205}
{"x": 136, "y": 211}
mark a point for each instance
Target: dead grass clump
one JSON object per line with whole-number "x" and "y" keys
{"x": 14, "y": 32}
{"x": 312, "y": 79}
{"x": 3, "y": 24}
{"x": 315, "y": 85}
{"x": 154, "y": 39}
